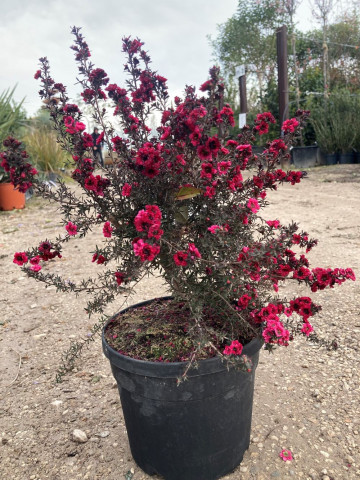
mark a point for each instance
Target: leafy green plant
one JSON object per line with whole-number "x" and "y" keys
{"x": 12, "y": 116}
{"x": 46, "y": 154}
{"x": 335, "y": 122}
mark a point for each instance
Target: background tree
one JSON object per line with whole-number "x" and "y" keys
{"x": 249, "y": 38}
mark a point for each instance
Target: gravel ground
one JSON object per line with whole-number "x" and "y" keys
{"x": 306, "y": 400}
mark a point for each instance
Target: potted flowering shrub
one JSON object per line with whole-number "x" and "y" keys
{"x": 12, "y": 197}
{"x": 12, "y": 118}
{"x": 184, "y": 204}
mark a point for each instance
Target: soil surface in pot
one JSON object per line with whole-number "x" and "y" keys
{"x": 306, "y": 399}
{"x": 161, "y": 331}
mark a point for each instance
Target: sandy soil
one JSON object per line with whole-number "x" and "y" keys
{"x": 306, "y": 400}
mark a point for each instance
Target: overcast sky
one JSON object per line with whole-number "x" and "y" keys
{"x": 174, "y": 31}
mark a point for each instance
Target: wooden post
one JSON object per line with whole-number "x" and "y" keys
{"x": 241, "y": 75}
{"x": 283, "y": 84}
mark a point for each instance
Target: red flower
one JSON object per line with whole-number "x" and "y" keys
{"x": 80, "y": 127}
{"x": 208, "y": 85}
{"x": 204, "y": 152}
{"x": 98, "y": 258}
{"x": 35, "y": 260}
{"x": 107, "y": 229}
{"x": 71, "y": 228}
{"x": 145, "y": 251}
{"x": 119, "y": 277}
{"x": 253, "y": 205}
{"x": 98, "y": 77}
{"x": 195, "y": 136}
{"x": 147, "y": 219}
{"x": 100, "y": 138}
{"x": 180, "y": 258}
{"x": 37, "y": 74}
{"x": 307, "y": 328}
{"x": 290, "y": 125}
{"x": 235, "y": 348}
{"x": 244, "y": 301}
{"x": 88, "y": 94}
{"x": 213, "y": 145}
{"x": 87, "y": 140}
{"x": 68, "y": 121}
{"x": 126, "y": 190}
{"x": 207, "y": 170}
{"x": 20, "y": 258}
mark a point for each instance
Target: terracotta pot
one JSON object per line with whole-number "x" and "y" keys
{"x": 10, "y": 197}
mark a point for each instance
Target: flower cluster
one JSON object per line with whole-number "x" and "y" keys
{"x": 13, "y": 160}
{"x": 178, "y": 203}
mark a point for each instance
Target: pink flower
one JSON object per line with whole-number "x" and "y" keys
{"x": 213, "y": 228}
{"x": 286, "y": 455}
{"x": 20, "y": 258}
{"x": 107, "y": 229}
{"x": 223, "y": 167}
{"x": 80, "y": 127}
{"x": 253, "y": 205}
{"x": 149, "y": 219}
{"x": 35, "y": 260}
{"x": 145, "y": 251}
{"x": 235, "y": 348}
{"x": 126, "y": 190}
{"x": 209, "y": 192}
{"x": 273, "y": 223}
{"x": 193, "y": 251}
{"x": 307, "y": 329}
{"x": 37, "y": 74}
{"x": 36, "y": 268}
{"x": 71, "y": 228}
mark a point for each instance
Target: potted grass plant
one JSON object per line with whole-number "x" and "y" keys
{"x": 185, "y": 204}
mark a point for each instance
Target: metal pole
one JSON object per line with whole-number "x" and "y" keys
{"x": 283, "y": 85}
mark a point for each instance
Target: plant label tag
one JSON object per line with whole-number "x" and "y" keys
{"x": 242, "y": 120}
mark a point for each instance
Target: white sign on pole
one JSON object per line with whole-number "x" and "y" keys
{"x": 240, "y": 71}
{"x": 242, "y": 120}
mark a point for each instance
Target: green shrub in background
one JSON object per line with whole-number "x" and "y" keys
{"x": 45, "y": 153}
{"x": 336, "y": 122}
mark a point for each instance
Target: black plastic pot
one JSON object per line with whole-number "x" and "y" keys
{"x": 331, "y": 158}
{"x": 304, "y": 157}
{"x": 198, "y": 430}
{"x": 347, "y": 158}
